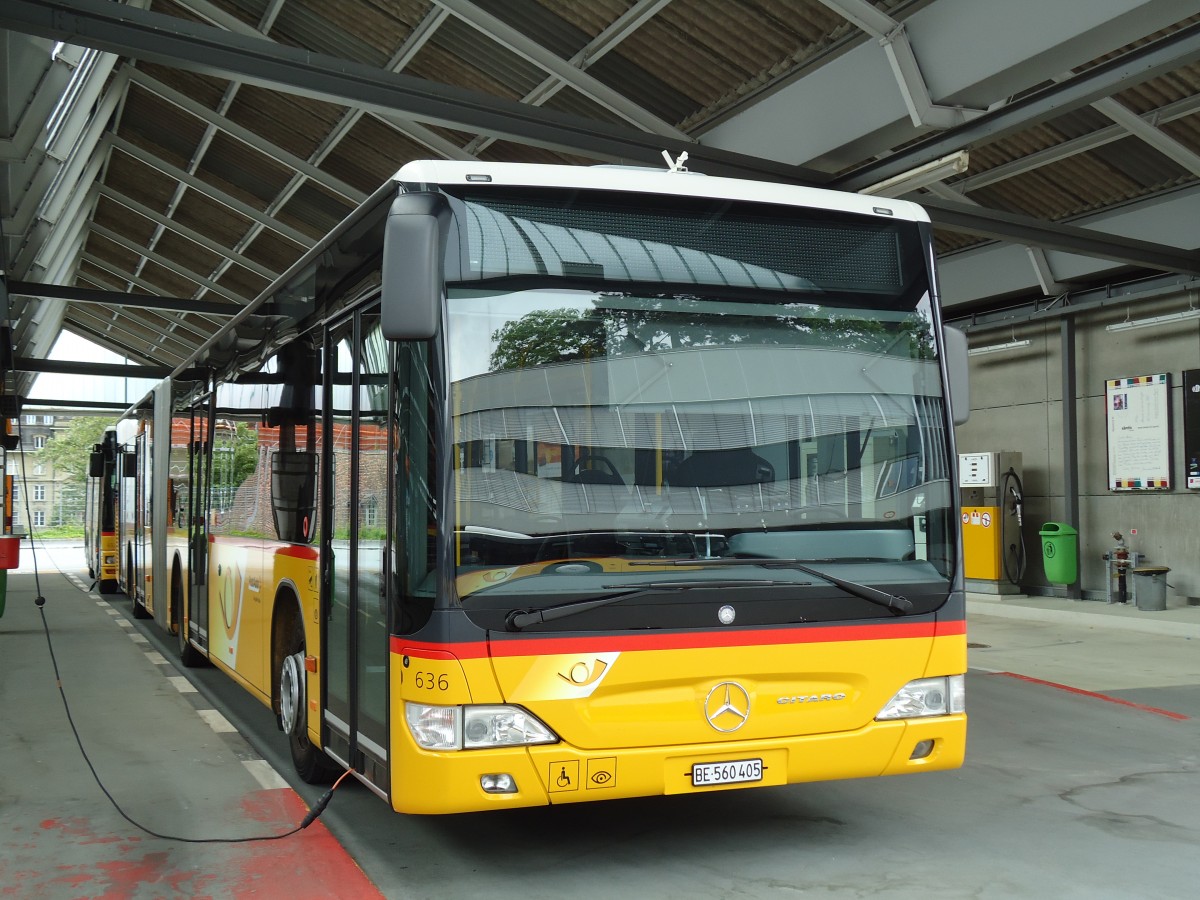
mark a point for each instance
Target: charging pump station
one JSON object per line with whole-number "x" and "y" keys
{"x": 992, "y": 502}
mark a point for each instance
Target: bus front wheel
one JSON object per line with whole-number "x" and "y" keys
{"x": 312, "y": 765}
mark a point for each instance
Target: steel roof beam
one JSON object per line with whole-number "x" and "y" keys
{"x": 120, "y": 275}
{"x": 202, "y": 48}
{"x": 1054, "y": 236}
{"x": 508, "y": 37}
{"x": 120, "y": 298}
{"x": 101, "y": 335}
{"x": 234, "y": 130}
{"x": 1178, "y": 110}
{"x": 175, "y": 322}
{"x": 213, "y": 193}
{"x": 168, "y": 264}
{"x": 420, "y": 36}
{"x": 134, "y": 338}
{"x": 190, "y": 234}
{"x": 1141, "y": 64}
{"x": 64, "y": 367}
{"x": 1144, "y": 131}
{"x": 139, "y": 338}
{"x": 595, "y": 49}
{"x": 893, "y": 38}
{"x": 1073, "y": 303}
{"x": 80, "y": 170}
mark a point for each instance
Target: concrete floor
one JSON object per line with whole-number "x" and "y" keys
{"x": 178, "y": 767}
{"x": 175, "y": 766}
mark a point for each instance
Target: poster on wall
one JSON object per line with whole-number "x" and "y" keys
{"x": 1191, "y": 427}
{"x": 1139, "y": 433}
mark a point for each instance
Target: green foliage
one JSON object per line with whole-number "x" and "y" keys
{"x": 551, "y": 336}
{"x": 543, "y": 337}
{"x": 68, "y": 450}
{"x": 245, "y": 452}
{"x": 231, "y": 469}
{"x": 58, "y": 532}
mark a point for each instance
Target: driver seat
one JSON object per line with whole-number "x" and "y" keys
{"x": 722, "y": 468}
{"x": 597, "y": 476}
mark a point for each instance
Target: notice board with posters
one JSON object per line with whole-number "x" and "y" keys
{"x": 1139, "y": 433}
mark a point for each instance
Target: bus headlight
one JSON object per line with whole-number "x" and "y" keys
{"x": 927, "y": 697}
{"x": 474, "y": 727}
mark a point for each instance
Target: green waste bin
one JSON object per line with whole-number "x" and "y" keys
{"x": 1060, "y": 552}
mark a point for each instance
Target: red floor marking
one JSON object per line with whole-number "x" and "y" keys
{"x": 1080, "y": 691}
{"x": 71, "y": 857}
{"x": 309, "y": 864}
{"x": 79, "y": 828}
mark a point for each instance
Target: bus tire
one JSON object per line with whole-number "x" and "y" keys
{"x": 139, "y": 611}
{"x": 108, "y": 586}
{"x": 312, "y": 765}
{"x": 189, "y": 656}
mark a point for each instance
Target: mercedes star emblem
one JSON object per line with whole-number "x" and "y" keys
{"x": 727, "y": 706}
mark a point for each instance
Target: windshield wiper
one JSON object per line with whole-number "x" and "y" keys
{"x": 519, "y": 619}
{"x": 897, "y": 604}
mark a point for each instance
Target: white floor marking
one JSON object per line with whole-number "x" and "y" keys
{"x": 267, "y": 777}
{"x": 216, "y": 721}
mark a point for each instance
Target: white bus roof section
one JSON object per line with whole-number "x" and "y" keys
{"x": 634, "y": 179}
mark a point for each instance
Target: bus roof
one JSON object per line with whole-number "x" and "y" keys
{"x": 652, "y": 181}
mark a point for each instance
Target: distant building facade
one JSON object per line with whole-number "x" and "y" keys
{"x": 41, "y": 496}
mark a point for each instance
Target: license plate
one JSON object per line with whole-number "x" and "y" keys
{"x": 734, "y": 772}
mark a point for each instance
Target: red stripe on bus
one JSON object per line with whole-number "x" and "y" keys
{"x": 1094, "y": 695}
{"x": 536, "y": 646}
{"x": 299, "y": 551}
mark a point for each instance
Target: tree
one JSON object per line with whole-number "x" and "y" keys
{"x": 245, "y": 452}
{"x": 68, "y": 450}
{"x": 544, "y": 337}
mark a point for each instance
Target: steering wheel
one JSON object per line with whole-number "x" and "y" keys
{"x": 589, "y": 464}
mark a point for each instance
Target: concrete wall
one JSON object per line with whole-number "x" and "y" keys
{"x": 1016, "y": 403}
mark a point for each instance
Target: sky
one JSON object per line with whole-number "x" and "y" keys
{"x": 101, "y": 388}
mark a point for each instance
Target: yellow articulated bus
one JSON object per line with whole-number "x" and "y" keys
{"x": 552, "y": 484}
{"x": 100, "y": 514}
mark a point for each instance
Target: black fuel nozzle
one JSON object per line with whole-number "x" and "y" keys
{"x": 1018, "y": 505}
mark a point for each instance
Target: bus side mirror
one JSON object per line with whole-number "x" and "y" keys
{"x": 414, "y": 245}
{"x": 957, "y": 373}
{"x": 95, "y": 465}
{"x": 128, "y": 465}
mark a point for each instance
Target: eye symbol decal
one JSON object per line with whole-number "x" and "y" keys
{"x": 601, "y": 777}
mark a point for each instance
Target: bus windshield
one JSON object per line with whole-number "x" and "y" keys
{"x": 603, "y": 434}
{"x": 589, "y": 426}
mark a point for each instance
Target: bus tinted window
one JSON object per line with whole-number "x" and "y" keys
{"x": 698, "y": 241}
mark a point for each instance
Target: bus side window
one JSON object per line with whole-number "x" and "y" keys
{"x": 414, "y": 564}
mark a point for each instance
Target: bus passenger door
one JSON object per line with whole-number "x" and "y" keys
{"x": 357, "y": 500}
{"x": 199, "y": 471}
{"x": 142, "y": 574}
